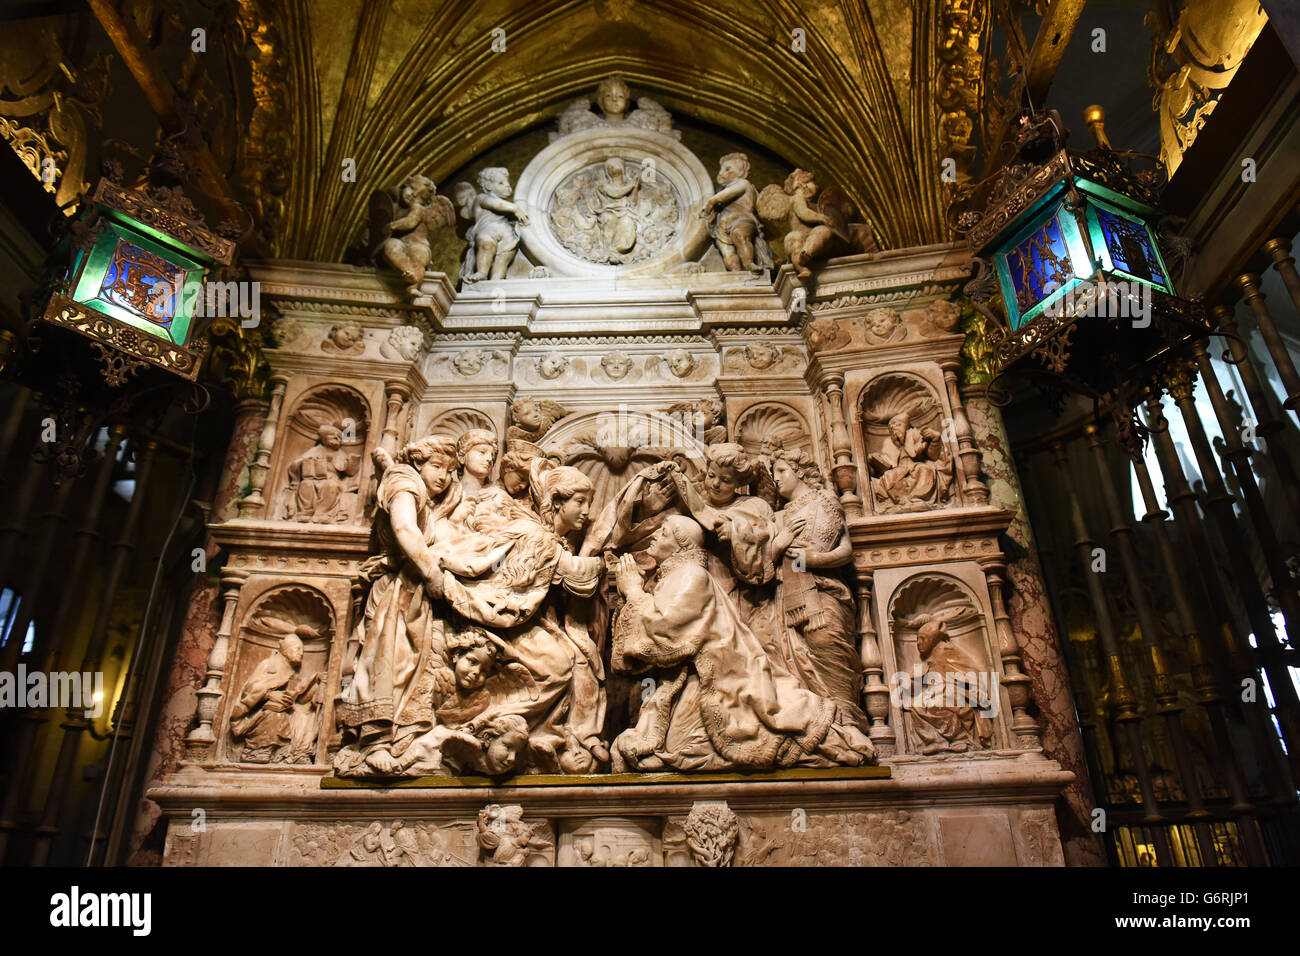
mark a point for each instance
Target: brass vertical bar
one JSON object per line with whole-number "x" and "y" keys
{"x": 1204, "y": 683}
{"x": 1249, "y": 285}
{"x": 1162, "y": 679}
{"x": 55, "y": 817}
{"x": 1127, "y": 714}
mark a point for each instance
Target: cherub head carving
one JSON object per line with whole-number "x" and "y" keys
{"x": 495, "y": 179}
{"x": 731, "y": 167}
{"x": 469, "y": 362}
{"x": 760, "y": 355}
{"x": 552, "y": 365}
{"x": 418, "y": 189}
{"x": 680, "y": 362}
{"x": 616, "y": 364}
{"x": 613, "y": 97}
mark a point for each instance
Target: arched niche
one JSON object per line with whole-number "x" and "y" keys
{"x": 261, "y": 726}
{"x": 457, "y": 421}
{"x": 610, "y": 447}
{"x": 763, "y": 428}
{"x": 941, "y": 647}
{"x": 915, "y": 472}
{"x": 318, "y": 484}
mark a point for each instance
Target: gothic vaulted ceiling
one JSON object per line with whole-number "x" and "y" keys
{"x": 848, "y": 90}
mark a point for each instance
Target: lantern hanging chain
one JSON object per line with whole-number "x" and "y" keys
{"x": 197, "y": 403}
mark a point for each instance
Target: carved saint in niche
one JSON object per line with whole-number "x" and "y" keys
{"x": 718, "y": 702}
{"x": 733, "y": 223}
{"x": 912, "y": 471}
{"x": 946, "y": 716}
{"x": 322, "y": 486}
{"x": 275, "y": 715}
{"x": 810, "y": 546}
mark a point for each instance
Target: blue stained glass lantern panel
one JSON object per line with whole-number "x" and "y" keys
{"x": 1041, "y": 265}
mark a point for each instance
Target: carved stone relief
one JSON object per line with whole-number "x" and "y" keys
{"x": 507, "y": 840}
{"x": 762, "y": 429}
{"x": 610, "y": 842}
{"x": 615, "y": 212}
{"x": 322, "y": 444}
{"x": 882, "y": 838}
{"x": 761, "y": 357}
{"x": 404, "y": 342}
{"x": 381, "y": 844}
{"x": 279, "y": 679}
{"x": 711, "y": 833}
{"x": 948, "y": 692}
{"x": 345, "y": 338}
{"x": 908, "y": 457}
{"x": 531, "y": 418}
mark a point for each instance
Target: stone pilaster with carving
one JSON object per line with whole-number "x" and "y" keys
{"x": 253, "y": 503}
{"x": 843, "y": 470}
{"x": 201, "y": 739}
{"x": 875, "y": 692}
{"x": 974, "y": 491}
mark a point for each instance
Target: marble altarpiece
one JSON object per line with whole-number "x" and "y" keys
{"x": 630, "y": 502}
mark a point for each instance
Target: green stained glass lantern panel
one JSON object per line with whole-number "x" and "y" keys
{"x": 129, "y": 277}
{"x": 1125, "y": 246}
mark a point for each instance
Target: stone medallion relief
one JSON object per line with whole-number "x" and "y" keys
{"x": 615, "y": 212}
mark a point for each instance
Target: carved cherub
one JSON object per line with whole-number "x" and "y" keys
{"x": 402, "y": 233}
{"x": 503, "y": 833}
{"x": 532, "y": 418}
{"x": 468, "y": 731}
{"x": 703, "y": 418}
{"x": 812, "y": 231}
{"x": 346, "y": 338}
{"x": 732, "y": 223}
{"x": 493, "y": 238}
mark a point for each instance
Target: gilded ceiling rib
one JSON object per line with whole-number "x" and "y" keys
{"x": 832, "y": 108}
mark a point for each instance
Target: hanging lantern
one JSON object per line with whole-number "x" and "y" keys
{"x": 135, "y": 282}
{"x": 1074, "y": 242}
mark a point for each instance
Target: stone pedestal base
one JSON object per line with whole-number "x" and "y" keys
{"x": 990, "y": 809}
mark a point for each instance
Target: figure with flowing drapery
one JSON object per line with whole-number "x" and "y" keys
{"x": 720, "y": 702}
{"x": 811, "y": 548}
{"x": 387, "y": 699}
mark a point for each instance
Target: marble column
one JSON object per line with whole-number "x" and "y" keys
{"x": 253, "y": 504}
{"x": 1030, "y": 615}
{"x": 843, "y": 468}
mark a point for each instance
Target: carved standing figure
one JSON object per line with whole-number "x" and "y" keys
{"x": 406, "y": 246}
{"x": 810, "y": 547}
{"x": 396, "y": 645}
{"x": 493, "y": 237}
{"x": 732, "y": 222}
{"x": 720, "y": 703}
{"x": 320, "y": 491}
